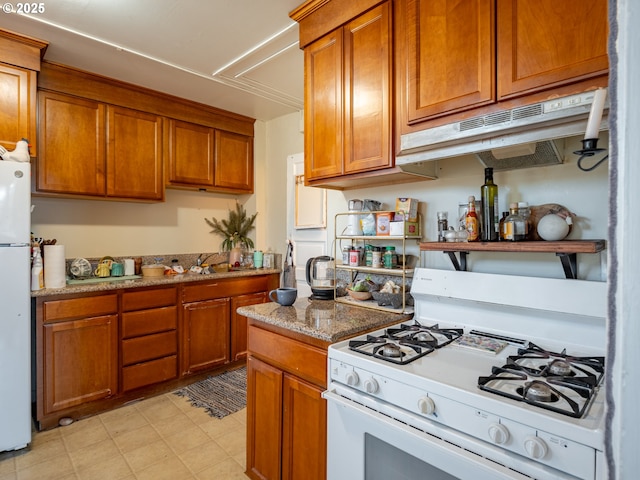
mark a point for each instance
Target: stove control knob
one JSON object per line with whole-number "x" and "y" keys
{"x": 498, "y": 433}
{"x": 352, "y": 378}
{"x": 426, "y": 405}
{"x": 370, "y": 385}
{"x": 535, "y": 447}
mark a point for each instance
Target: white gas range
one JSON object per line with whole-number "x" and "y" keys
{"x": 495, "y": 377}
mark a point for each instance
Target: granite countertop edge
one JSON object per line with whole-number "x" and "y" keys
{"x": 149, "y": 282}
{"x": 325, "y": 320}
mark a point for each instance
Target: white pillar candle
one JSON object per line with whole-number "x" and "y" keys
{"x": 595, "y": 117}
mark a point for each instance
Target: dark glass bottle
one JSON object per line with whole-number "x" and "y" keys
{"x": 490, "y": 228}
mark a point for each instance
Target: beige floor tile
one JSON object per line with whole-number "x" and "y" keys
{"x": 143, "y": 456}
{"x": 234, "y": 443}
{"x": 203, "y": 456}
{"x": 227, "y": 470}
{"x": 175, "y": 424}
{"x": 54, "y": 469}
{"x": 87, "y": 432}
{"x": 183, "y": 403}
{"x": 158, "y": 408}
{"x": 41, "y": 454}
{"x": 7, "y": 463}
{"x": 132, "y": 439}
{"x": 114, "y": 468}
{"x": 121, "y": 424}
{"x": 39, "y": 438}
{"x": 218, "y": 428}
{"x": 183, "y": 441}
{"x": 9, "y": 476}
{"x": 171, "y": 468}
{"x": 84, "y": 458}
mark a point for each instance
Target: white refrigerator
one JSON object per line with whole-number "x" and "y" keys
{"x": 15, "y": 314}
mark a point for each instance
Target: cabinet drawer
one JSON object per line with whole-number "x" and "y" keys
{"x": 80, "y": 307}
{"x": 150, "y": 321}
{"x": 290, "y": 355}
{"x": 149, "y": 373}
{"x": 224, "y": 288}
{"x": 163, "y": 297}
{"x": 140, "y": 349}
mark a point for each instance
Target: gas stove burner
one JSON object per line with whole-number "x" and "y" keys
{"x": 570, "y": 395}
{"x": 560, "y": 368}
{"x": 390, "y": 350}
{"x": 433, "y": 336}
{"x": 537, "y": 391}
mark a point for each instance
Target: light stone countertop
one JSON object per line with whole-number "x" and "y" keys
{"x": 111, "y": 284}
{"x": 326, "y": 320}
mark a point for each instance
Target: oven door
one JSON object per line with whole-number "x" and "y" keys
{"x": 364, "y": 444}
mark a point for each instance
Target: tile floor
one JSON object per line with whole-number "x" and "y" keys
{"x": 163, "y": 437}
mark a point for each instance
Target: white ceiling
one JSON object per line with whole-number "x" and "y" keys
{"x": 238, "y": 55}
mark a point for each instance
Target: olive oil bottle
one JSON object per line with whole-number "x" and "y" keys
{"x": 490, "y": 228}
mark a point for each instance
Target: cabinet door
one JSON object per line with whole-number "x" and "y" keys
{"x": 449, "y": 56}
{"x": 190, "y": 154}
{"x": 323, "y": 107}
{"x": 264, "y": 420}
{"x": 368, "y": 53}
{"x": 80, "y": 361}
{"x": 206, "y": 334}
{"x": 544, "y": 44}
{"x": 18, "y": 106}
{"x": 304, "y": 442}
{"x": 71, "y": 144}
{"x": 134, "y": 154}
{"x": 233, "y": 167}
{"x": 239, "y": 323}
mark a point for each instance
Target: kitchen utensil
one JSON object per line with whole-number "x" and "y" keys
{"x": 320, "y": 277}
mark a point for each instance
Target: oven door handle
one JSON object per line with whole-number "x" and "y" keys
{"x": 444, "y": 443}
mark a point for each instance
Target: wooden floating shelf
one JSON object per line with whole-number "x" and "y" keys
{"x": 566, "y": 250}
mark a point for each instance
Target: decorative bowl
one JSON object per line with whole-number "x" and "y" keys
{"x": 359, "y": 295}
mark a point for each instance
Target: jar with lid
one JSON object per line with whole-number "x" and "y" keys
{"x": 345, "y": 254}
{"x": 389, "y": 259}
{"x": 525, "y": 212}
{"x": 376, "y": 257}
{"x": 368, "y": 255}
{"x": 354, "y": 257}
{"x": 514, "y": 225}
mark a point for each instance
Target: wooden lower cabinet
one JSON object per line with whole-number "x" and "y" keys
{"x": 206, "y": 335}
{"x": 78, "y": 352}
{"x": 239, "y": 323}
{"x": 286, "y": 414}
{"x": 149, "y": 348}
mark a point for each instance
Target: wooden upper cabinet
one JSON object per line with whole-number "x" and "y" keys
{"x": 71, "y": 138}
{"x": 368, "y": 132}
{"x": 546, "y": 43}
{"x": 485, "y": 55}
{"x": 134, "y": 154}
{"x": 211, "y": 159}
{"x": 190, "y": 154}
{"x": 89, "y": 148}
{"x": 233, "y": 162}
{"x": 323, "y": 88}
{"x": 450, "y": 56}
{"x": 348, "y": 90}
{"x": 19, "y": 63}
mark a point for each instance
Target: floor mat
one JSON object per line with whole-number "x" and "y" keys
{"x": 220, "y": 395}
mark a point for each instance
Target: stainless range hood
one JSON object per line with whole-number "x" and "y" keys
{"x": 500, "y": 139}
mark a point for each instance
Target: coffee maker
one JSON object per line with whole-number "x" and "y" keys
{"x": 320, "y": 277}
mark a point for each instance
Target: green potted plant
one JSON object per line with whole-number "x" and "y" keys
{"x": 235, "y": 231}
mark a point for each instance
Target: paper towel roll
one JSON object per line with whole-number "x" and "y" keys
{"x": 54, "y": 266}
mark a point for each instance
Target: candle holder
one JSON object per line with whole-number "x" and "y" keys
{"x": 589, "y": 149}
